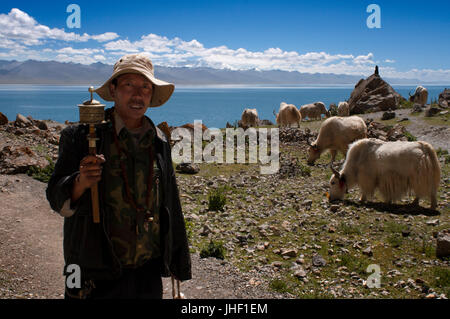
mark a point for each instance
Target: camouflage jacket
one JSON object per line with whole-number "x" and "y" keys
{"x": 89, "y": 245}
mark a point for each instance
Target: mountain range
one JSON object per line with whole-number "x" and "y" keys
{"x": 59, "y": 73}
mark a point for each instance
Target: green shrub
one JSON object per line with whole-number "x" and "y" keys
{"x": 410, "y": 137}
{"x": 217, "y": 199}
{"x": 349, "y": 229}
{"x": 405, "y": 104}
{"x": 304, "y": 170}
{"x": 42, "y": 174}
{"x": 395, "y": 240}
{"x": 278, "y": 285}
{"x": 442, "y": 279}
{"x": 213, "y": 249}
{"x": 441, "y": 152}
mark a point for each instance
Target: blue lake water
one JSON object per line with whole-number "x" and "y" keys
{"x": 215, "y": 106}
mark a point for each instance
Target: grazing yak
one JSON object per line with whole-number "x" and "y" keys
{"x": 288, "y": 115}
{"x": 336, "y": 134}
{"x": 314, "y": 110}
{"x": 420, "y": 95}
{"x": 395, "y": 169}
{"x": 249, "y": 118}
{"x": 343, "y": 109}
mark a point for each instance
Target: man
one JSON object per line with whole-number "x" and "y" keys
{"x": 141, "y": 235}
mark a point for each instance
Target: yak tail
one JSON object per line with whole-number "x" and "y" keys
{"x": 434, "y": 169}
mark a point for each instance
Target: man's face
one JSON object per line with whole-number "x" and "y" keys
{"x": 132, "y": 96}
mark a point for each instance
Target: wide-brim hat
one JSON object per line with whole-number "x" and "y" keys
{"x": 138, "y": 64}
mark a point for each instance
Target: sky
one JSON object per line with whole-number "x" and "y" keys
{"x": 306, "y": 36}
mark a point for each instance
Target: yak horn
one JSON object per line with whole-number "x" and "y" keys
{"x": 335, "y": 172}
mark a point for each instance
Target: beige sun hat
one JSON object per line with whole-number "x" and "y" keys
{"x": 139, "y": 64}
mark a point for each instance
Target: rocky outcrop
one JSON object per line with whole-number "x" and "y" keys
{"x": 373, "y": 94}
{"x": 3, "y": 119}
{"x": 386, "y": 133}
{"x": 16, "y": 160}
{"x": 444, "y": 98}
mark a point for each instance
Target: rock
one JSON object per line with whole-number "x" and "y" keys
{"x": 22, "y": 121}
{"x": 300, "y": 273}
{"x": 289, "y": 252}
{"x": 277, "y": 264}
{"x": 388, "y": 115}
{"x": 417, "y": 108}
{"x": 41, "y": 125}
{"x": 373, "y": 94}
{"x": 433, "y": 222}
{"x": 334, "y": 208}
{"x": 206, "y": 230}
{"x": 265, "y": 123}
{"x": 307, "y": 202}
{"x": 188, "y": 168}
{"x": 368, "y": 251}
{"x": 318, "y": 261}
{"x": 17, "y": 160}
{"x": 443, "y": 244}
{"x": 444, "y": 98}
{"x": 431, "y": 111}
{"x": 3, "y": 119}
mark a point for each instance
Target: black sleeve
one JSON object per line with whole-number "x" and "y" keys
{"x": 181, "y": 260}
{"x": 59, "y": 187}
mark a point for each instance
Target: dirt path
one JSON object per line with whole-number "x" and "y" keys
{"x": 438, "y": 136}
{"x": 31, "y": 259}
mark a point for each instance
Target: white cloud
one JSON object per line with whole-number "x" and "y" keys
{"x": 20, "y": 28}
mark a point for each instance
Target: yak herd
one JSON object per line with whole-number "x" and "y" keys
{"x": 395, "y": 169}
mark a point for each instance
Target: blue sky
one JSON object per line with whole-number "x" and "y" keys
{"x": 306, "y": 36}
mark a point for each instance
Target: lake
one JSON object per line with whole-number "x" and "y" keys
{"x": 215, "y": 106}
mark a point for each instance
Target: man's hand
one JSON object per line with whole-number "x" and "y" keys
{"x": 90, "y": 174}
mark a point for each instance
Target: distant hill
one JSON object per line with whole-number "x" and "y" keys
{"x": 51, "y": 72}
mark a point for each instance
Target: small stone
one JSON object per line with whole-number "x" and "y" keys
{"x": 433, "y": 222}
{"x": 300, "y": 261}
{"x": 289, "y": 252}
{"x": 443, "y": 245}
{"x": 368, "y": 251}
{"x": 334, "y": 208}
{"x": 300, "y": 273}
{"x": 318, "y": 261}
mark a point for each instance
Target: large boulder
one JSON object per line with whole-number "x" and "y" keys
{"x": 22, "y": 121}
{"x": 373, "y": 94}
{"x": 444, "y": 98}
{"x": 3, "y": 119}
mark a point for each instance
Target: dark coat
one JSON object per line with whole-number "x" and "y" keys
{"x": 88, "y": 245}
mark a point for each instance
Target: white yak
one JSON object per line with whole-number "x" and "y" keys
{"x": 336, "y": 134}
{"x": 395, "y": 169}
